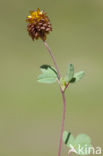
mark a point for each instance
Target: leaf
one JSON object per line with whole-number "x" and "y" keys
{"x": 49, "y": 74}
{"x": 70, "y": 73}
{"x": 82, "y": 141}
{"x": 68, "y": 138}
{"x": 77, "y": 76}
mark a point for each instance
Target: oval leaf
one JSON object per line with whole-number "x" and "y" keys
{"x": 83, "y": 142}
{"x": 70, "y": 73}
{"x": 68, "y": 138}
{"x": 77, "y": 76}
{"x": 49, "y": 74}
{"x": 80, "y": 145}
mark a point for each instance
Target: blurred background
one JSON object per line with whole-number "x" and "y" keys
{"x": 30, "y": 113}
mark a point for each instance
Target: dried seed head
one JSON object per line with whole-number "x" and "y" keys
{"x": 38, "y": 24}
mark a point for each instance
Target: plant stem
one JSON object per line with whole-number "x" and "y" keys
{"x": 63, "y": 97}
{"x": 53, "y": 58}
{"x": 62, "y": 125}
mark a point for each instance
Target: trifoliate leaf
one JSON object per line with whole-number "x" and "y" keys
{"x": 49, "y": 74}
{"x": 77, "y": 76}
{"x": 70, "y": 73}
{"x": 80, "y": 145}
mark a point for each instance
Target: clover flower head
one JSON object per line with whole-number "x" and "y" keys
{"x": 38, "y": 24}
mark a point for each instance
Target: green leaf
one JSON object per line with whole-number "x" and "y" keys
{"x": 49, "y": 74}
{"x": 77, "y": 76}
{"x": 82, "y": 141}
{"x": 68, "y": 138}
{"x": 70, "y": 73}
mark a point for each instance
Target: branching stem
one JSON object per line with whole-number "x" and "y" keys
{"x": 63, "y": 97}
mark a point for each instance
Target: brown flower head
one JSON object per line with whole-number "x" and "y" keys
{"x": 38, "y": 24}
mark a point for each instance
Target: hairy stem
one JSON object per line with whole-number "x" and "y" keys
{"x": 63, "y": 97}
